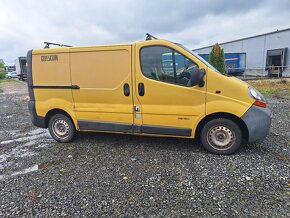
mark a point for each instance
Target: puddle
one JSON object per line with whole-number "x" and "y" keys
{"x": 37, "y": 131}
{"x": 20, "y": 146}
{"x": 32, "y": 135}
{"x": 16, "y": 152}
{"x": 3, "y": 157}
{"x": 42, "y": 146}
{"x": 21, "y": 172}
{"x": 33, "y": 168}
{"x": 14, "y": 132}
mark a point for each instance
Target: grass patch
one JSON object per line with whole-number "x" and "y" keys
{"x": 9, "y": 80}
{"x": 271, "y": 86}
{"x": 1, "y": 90}
{"x": 268, "y": 91}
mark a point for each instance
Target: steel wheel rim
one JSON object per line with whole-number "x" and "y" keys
{"x": 60, "y": 128}
{"x": 221, "y": 137}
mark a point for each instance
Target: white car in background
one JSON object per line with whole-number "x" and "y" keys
{"x": 12, "y": 74}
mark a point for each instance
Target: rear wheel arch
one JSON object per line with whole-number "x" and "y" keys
{"x": 52, "y": 112}
{"x": 232, "y": 117}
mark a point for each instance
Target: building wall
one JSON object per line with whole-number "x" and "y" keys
{"x": 256, "y": 48}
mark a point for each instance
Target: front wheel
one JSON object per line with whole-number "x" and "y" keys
{"x": 61, "y": 128}
{"x": 221, "y": 136}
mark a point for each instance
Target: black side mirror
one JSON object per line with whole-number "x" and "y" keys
{"x": 197, "y": 77}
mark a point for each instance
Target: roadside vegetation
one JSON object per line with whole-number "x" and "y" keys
{"x": 2, "y": 75}
{"x": 2, "y": 72}
{"x": 272, "y": 86}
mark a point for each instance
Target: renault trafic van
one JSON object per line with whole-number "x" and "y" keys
{"x": 153, "y": 87}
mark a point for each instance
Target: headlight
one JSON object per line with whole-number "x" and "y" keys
{"x": 255, "y": 94}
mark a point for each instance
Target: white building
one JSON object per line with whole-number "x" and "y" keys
{"x": 263, "y": 52}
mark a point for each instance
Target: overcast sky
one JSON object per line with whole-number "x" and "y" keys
{"x": 195, "y": 23}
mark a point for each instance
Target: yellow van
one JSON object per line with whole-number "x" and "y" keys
{"x": 153, "y": 87}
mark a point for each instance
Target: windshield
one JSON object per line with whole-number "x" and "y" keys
{"x": 198, "y": 57}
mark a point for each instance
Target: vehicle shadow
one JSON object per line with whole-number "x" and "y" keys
{"x": 180, "y": 145}
{"x": 125, "y": 140}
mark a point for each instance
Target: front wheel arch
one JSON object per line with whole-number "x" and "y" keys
{"x": 237, "y": 120}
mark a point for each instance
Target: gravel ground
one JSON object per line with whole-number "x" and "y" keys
{"x": 128, "y": 176}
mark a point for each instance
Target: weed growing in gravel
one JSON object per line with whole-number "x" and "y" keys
{"x": 282, "y": 157}
{"x": 257, "y": 146}
{"x": 49, "y": 164}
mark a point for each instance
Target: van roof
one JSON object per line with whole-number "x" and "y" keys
{"x": 68, "y": 49}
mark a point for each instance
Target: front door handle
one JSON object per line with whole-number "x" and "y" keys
{"x": 126, "y": 89}
{"x": 141, "y": 89}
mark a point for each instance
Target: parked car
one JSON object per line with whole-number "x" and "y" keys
{"x": 12, "y": 74}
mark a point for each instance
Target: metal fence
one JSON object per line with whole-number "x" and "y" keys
{"x": 274, "y": 71}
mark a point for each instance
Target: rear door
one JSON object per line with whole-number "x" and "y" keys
{"x": 103, "y": 92}
{"x": 168, "y": 104}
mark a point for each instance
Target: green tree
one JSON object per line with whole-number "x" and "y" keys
{"x": 217, "y": 58}
{"x": 2, "y": 72}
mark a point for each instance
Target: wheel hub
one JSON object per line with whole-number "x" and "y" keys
{"x": 60, "y": 128}
{"x": 221, "y": 137}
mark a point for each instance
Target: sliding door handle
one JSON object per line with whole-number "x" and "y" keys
{"x": 141, "y": 89}
{"x": 75, "y": 87}
{"x": 126, "y": 89}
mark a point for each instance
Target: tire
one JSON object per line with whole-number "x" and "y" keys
{"x": 221, "y": 136}
{"x": 61, "y": 128}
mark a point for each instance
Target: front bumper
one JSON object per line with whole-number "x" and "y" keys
{"x": 258, "y": 121}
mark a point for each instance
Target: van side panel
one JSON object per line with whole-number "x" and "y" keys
{"x": 52, "y": 82}
{"x": 101, "y": 73}
{"x": 226, "y": 94}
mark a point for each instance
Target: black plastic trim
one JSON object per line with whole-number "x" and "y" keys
{"x": 165, "y": 130}
{"x": 132, "y": 128}
{"x": 137, "y": 128}
{"x": 29, "y": 75}
{"x": 55, "y": 87}
{"x": 35, "y": 119}
{"x": 126, "y": 89}
{"x": 258, "y": 122}
{"x": 105, "y": 126}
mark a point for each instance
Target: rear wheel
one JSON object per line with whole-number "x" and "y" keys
{"x": 61, "y": 128}
{"x": 221, "y": 136}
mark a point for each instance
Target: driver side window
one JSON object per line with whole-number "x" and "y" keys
{"x": 184, "y": 69}
{"x": 166, "y": 65}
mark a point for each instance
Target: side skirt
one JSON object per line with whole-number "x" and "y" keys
{"x": 132, "y": 128}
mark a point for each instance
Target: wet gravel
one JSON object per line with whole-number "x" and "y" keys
{"x": 120, "y": 175}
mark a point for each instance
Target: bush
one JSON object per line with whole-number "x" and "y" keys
{"x": 217, "y": 58}
{"x": 2, "y": 75}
